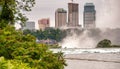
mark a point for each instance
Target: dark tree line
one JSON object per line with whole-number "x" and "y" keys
{"x": 50, "y": 33}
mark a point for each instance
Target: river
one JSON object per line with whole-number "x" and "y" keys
{"x": 100, "y": 58}
{"x": 93, "y": 61}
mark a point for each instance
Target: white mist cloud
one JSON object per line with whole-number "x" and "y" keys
{"x": 90, "y": 38}
{"x": 73, "y": 40}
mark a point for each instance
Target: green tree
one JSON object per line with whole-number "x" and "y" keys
{"x": 12, "y": 11}
{"x": 16, "y": 46}
{"x": 50, "y": 33}
{"x": 104, "y": 43}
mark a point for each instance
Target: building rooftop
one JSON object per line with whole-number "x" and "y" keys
{"x": 44, "y": 21}
{"x": 89, "y": 7}
{"x": 73, "y": 3}
{"x": 89, "y": 4}
{"x": 61, "y": 10}
{"x": 30, "y": 22}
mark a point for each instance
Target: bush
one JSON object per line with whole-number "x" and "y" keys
{"x": 16, "y": 46}
{"x": 13, "y": 64}
{"x": 104, "y": 43}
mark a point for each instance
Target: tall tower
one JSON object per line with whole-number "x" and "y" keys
{"x": 73, "y": 14}
{"x": 89, "y": 16}
{"x": 60, "y": 17}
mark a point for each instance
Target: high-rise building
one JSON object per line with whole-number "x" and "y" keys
{"x": 73, "y": 14}
{"x": 89, "y": 16}
{"x": 44, "y": 23}
{"x": 60, "y": 17}
{"x": 30, "y": 25}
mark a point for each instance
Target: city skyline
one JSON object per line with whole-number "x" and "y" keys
{"x": 46, "y": 9}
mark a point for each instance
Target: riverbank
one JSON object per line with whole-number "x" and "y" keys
{"x": 93, "y": 61}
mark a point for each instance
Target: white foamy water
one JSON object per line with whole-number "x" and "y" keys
{"x": 99, "y": 58}
{"x": 82, "y": 64}
{"x": 93, "y": 61}
{"x": 78, "y": 50}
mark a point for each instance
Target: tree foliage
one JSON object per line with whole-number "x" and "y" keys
{"x": 51, "y": 33}
{"x": 15, "y": 45}
{"x": 19, "y": 50}
{"x": 12, "y": 11}
{"x": 104, "y": 43}
{"x": 13, "y": 64}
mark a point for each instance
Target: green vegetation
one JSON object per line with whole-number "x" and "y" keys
{"x": 18, "y": 50}
{"x": 13, "y": 64}
{"x": 54, "y": 46}
{"x": 11, "y": 11}
{"x": 16, "y": 46}
{"x": 51, "y": 33}
{"x": 106, "y": 44}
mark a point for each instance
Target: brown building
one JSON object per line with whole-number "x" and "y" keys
{"x": 60, "y": 17}
{"x": 73, "y": 14}
{"x": 44, "y": 23}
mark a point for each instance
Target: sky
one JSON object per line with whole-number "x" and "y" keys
{"x": 107, "y": 11}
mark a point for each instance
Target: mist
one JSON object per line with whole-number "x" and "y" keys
{"x": 77, "y": 38}
{"x": 108, "y": 21}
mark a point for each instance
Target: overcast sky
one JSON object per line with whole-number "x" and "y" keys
{"x": 104, "y": 11}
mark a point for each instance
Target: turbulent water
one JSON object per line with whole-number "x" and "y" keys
{"x": 93, "y": 61}
{"x": 107, "y": 16}
{"x": 79, "y": 50}
{"x": 99, "y": 58}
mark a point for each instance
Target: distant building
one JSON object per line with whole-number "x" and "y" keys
{"x": 60, "y": 17}
{"x": 44, "y": 23}
{"x": 89, "y": 16}
{"x": 48, "y": 41}
{"x": 30, "y": 25}
{"x": 73, "y": 14}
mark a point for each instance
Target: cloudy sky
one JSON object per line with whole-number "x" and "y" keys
{"x": 106, "y": 11}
